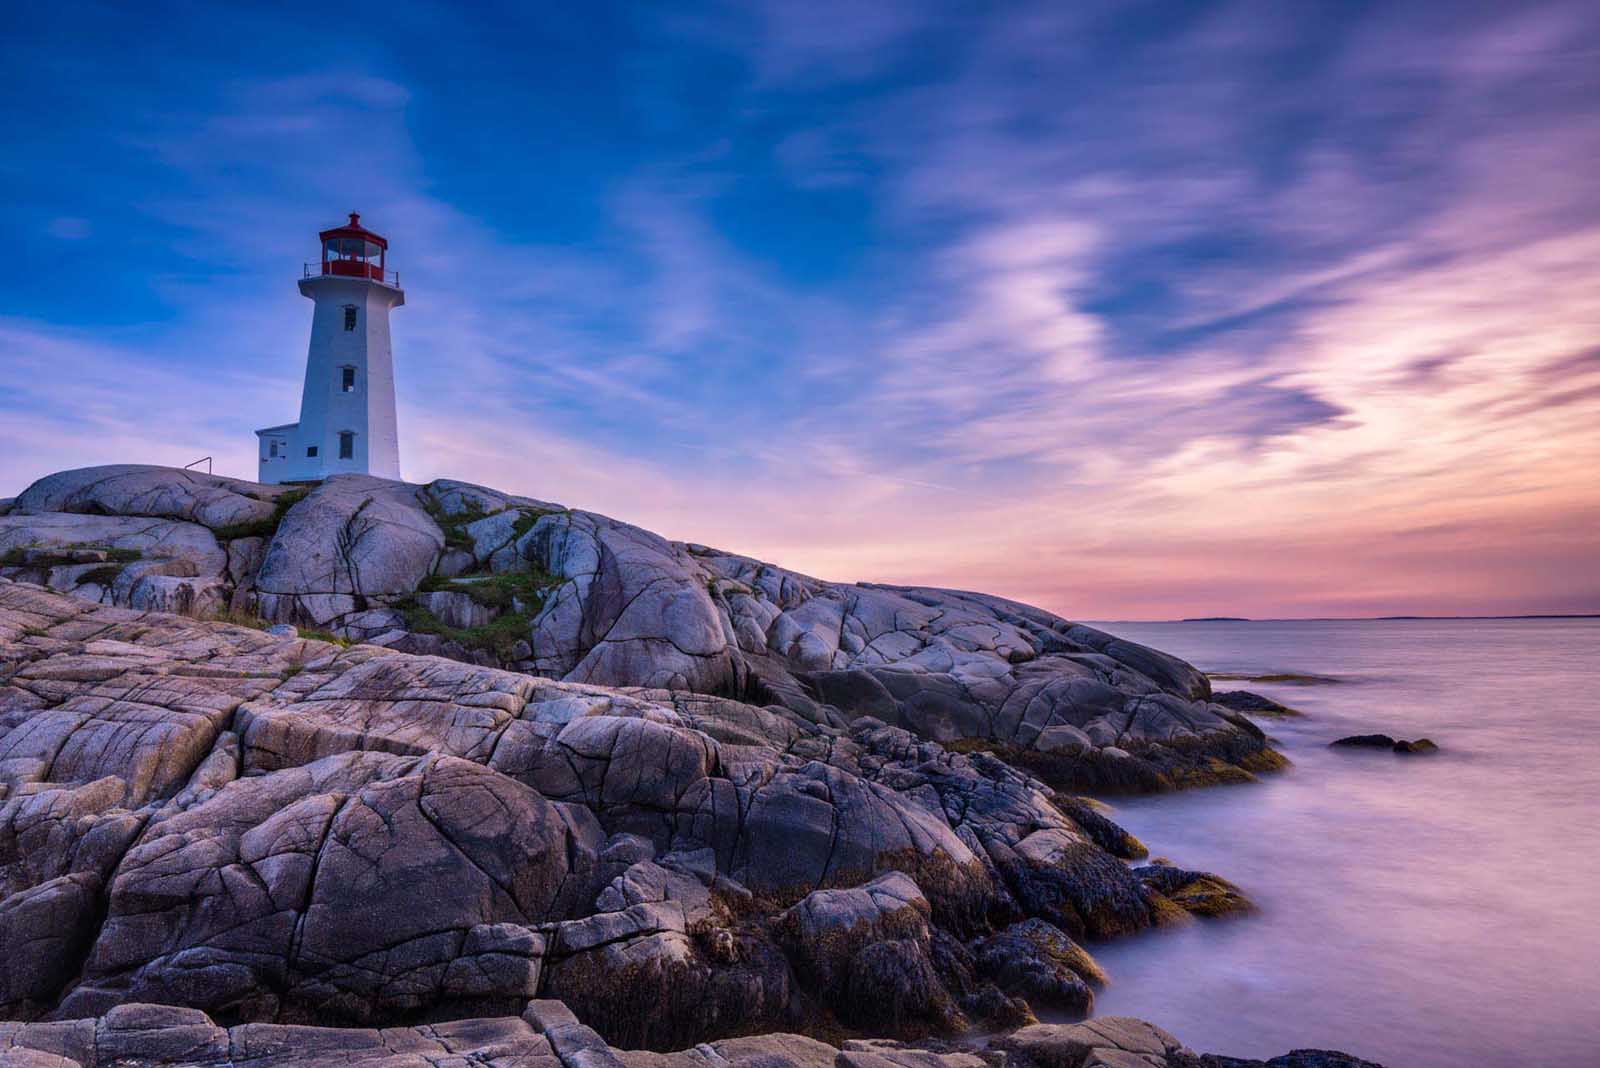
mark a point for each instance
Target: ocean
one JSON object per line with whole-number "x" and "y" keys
{"x": 1425, "y": 911}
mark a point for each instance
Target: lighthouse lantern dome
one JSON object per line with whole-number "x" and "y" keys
{"x": 354, "y": 251}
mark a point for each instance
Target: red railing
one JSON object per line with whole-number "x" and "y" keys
{"x": 353, "y": 269}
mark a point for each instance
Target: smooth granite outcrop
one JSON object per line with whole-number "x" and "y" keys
{"x": 502, "y": 580}
{"x": 270, "y": 828}
{"x": 384, "y": 774}
{"x": 545, "y": 1034}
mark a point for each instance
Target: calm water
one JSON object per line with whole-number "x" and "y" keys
{"x": 1425, "y": 911}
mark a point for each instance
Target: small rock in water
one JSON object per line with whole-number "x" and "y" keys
{"x": 1037, "y": 960}
{"x": 1383, "y": 741}
{"x": 1253, "y": 703}
{"x": 283, "y": 630}
{"x": 1196, "y": 892}
{"x": 1367, "y": 741}
{"x": 1300, "y": 1058}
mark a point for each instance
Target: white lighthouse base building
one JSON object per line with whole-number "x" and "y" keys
{"x": 347, "y": 410}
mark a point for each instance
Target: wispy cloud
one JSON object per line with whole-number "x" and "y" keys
{"x": 1254, "y": 310}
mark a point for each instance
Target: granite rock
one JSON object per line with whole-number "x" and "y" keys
{"x": 281, "y": 829}
{"x": 714, "y": 796}
{"x": 1038, "y": 962}
{"x": 610, "y": 604}
{"x": 546, "y": 1034}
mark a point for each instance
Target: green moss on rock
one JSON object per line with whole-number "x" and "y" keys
{"x": 516, "y": 596}
{"x": 263, "y": 528}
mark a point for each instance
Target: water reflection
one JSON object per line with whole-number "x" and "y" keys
{"x": 1427, "y": 911}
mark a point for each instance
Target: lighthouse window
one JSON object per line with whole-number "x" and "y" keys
{"x": 347, "y": 445}
{"x": 347, "y": 379}
{"x": 349, "y": 316}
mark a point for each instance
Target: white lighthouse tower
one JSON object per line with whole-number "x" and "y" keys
{"x": 347, "y": 421}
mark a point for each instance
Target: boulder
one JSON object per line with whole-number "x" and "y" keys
{"x": 637, "y": 975}
{"x": 456, "y": 609}
{"x": 144, "y": 490}
{"x": 352, "y": 539}
{"x": 866, "y": 952}
{"x": 1038, "y": 962}
{"x": 154, "y": 539}
{"x": 123, "y": 716}
{"x": 1365, "y": 741}
{"x": 1300, "y": 1058}
{"x": 45, "y": 931}
{"x": 1197, "y": 892}
{"x": 58, "y": 846}
{"x": 186, "y": 596}
{"x": 1104, "y": 1042}
{"x": 1383, "y": 741}
{"x": 1252, "y": 703}
{"x": 1063, "y": 739}
{"x": 633, "y": 610}
{"x": 306, "y": 892}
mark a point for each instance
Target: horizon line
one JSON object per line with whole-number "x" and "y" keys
{"x": 1354, "y": 619}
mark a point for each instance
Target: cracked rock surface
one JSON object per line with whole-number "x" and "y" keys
{"x": 546, "y": 1035}
{"x": 507, "y": 581}
{"x": 274, "y": 829}
{"x": 655, "y": 806}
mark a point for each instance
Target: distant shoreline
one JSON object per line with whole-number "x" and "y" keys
{"x": 1352, "y": 619}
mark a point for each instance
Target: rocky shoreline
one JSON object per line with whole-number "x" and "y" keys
{"x": 499, "y": 580}
{"x": 704, "y": 798}
{"x": 547, "y": 1035}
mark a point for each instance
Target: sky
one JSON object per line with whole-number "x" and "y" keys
{"x": 1132, "y": 310}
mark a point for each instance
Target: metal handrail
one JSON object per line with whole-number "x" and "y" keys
{"x": 390, "y": 278}
{"x": 203, "y": 460}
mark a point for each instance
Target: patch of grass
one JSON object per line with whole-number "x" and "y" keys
{"x": 104, "y": 575}
{"x": 518, "y": 596}
{"x": 526, "y": 518}
{"x": 498, "y": 637}
{"x": 240, "y": 619}
{"x": 263, "y": 528}
{"x": 455, "y": 526}
{"x": 502, "y": 592}
{"x": 19, "y": 557}
{"x": 323, "y": 636}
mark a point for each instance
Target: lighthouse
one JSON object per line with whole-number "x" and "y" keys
{"x": 347, "y": 419}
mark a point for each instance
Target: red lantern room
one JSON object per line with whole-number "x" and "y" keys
{"x": 355, "y": 252}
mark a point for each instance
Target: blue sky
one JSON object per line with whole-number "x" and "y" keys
{"x": 1126, "y": 309}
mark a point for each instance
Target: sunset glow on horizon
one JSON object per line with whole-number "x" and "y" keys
{"x": 1267, "y": 310}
